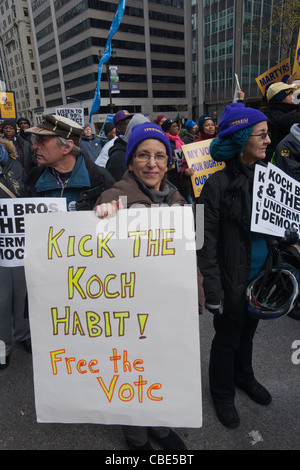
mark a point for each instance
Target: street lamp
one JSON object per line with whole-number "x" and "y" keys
{"x": 112, "y": 55}
{"x": 78, "y": 116}
{"x": 74, "y": 99}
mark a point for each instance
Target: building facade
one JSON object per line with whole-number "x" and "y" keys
{"x": 173, "y": 57}
{"x": 18, "y": 62}
{"x": 149, "y": 47}
{"x": 225, "y": 45}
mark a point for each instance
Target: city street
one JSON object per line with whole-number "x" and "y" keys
{"x": 275, "y": 427}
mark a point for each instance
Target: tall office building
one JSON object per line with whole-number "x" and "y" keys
{"x": 18, "y": 64}
{"x": 172, "y": 56}
{"x": 224, "y": 45}
{"x": 150, "y": 54}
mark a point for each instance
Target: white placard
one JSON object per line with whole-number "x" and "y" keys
{"x": 258, "y": 189}
{"x": 75, "y": 114}
{"x": 113, "y": 310}
{"x": 280, "y": 202}
{"x": 12, "y": 232}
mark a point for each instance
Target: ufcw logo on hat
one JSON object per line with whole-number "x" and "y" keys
{"x": 239, "y": 121}
{"x": 148, "y": 129}
{"x": 236, "y": 116}
{"x": 144, "y": 131}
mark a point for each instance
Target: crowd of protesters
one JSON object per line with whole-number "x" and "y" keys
{"x": 59, "y": 158}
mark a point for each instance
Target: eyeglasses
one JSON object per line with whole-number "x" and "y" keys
{"x": 145, "y": 157}
{"x": 263, "y": 135}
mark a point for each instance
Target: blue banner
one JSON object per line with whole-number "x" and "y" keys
{"x": 107, "y": 53}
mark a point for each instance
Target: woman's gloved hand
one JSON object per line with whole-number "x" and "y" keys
{"x": 291, "y": 236}
{"x": 215, "y": 309}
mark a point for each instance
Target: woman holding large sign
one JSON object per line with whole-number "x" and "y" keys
{"x": 232, "y": 256}
{"x": 148, "y": 157}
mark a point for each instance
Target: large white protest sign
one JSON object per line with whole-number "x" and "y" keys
{"x": 12, "y": 233}
{"x": 76, "y": 114}
{"x": 258, "y": 190}
{"x": 113, "y": 311}
{"x": 280, "y": 203}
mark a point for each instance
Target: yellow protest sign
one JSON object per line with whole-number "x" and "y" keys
{"x": 7, "y": 105}
{"x": 278, "y": 73}
{"x": 296, "y": 68}
{"x": 198, "y": 157}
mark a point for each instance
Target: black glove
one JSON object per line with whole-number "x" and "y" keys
{"x": 215, "y": 309}
{"x": 291, "y": 237}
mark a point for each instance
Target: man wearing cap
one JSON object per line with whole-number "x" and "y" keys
{"x": 24, "y": 149}
{"x": 63, "y": 170}
{"x": 281, "y": 112}
{"x": 121, "y": 120}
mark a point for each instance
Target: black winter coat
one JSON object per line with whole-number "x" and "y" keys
{"x": 116, "y": 163}
{"x": 287, "y": 156}
{"x": 225, "y": 259}
{"x": 188, "y": 138}
{"x": 27, "y": 155}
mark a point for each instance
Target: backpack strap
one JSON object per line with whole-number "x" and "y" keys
{"x": 7, "y": 190}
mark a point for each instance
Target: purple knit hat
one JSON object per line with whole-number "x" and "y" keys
{"x": 237, "y": 116}
{"x": 144, "y": 131}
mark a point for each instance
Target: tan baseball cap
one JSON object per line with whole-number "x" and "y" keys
{"x": 59, "y": 126}
{"x": 279, "y": 90}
